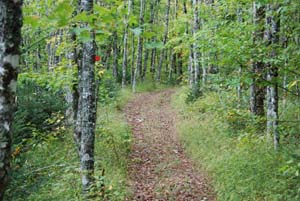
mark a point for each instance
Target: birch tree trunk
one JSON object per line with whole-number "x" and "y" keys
{"x": 10, "y": 39}
{"x": 239, "y": 87}
{"x": 196, "y": 54}
{"x": 132, "y": 56}
{"x": 86, "y": 115}
{"x": 190, "y": 63}
{"x": 272, "y": 39}
{"x": 165, "y": 39}
{"x": 153, "y": 51}
{"x": 146, "y": 57}
{"x": 146, "y": 54}
{"x": 139, "y": 61}
{"x": 125, "y": 43}
{"x": 257, "y": 90}
{"x": 116, "y": 54}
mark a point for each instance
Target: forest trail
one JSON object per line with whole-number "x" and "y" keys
{"x": 159, "y": 169}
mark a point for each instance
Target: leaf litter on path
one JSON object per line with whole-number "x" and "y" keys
{"x": 159, "y": 168}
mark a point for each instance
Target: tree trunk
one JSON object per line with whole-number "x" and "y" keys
{"x": 10, "y": 39}
{"x": 272, "y": 39}
{"x": 257, "y": 89}
{"x": 196, "y": 54}
{"x": 146, "y": 57}
{"x": 153, "y": 51}
{"x": 125, "y": 43}
{"x": 190, "y": 63}
{"x": 132, "y": 56}
{"x": 165, "y": 39}
{"x": 239, "y": 87}
{"x": 153, "y": 61}
{"x": 139, "y": 61}
{"x": 116, "y": 54}
{"x": 86, "y": 115}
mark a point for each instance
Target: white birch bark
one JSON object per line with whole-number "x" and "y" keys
{"x": 125, "y": 44}
{"x": 10, "y": 39}
{"x": 139, "y": 62}
{"x": 272, "y": 38}
{"x": 196, "y": 54}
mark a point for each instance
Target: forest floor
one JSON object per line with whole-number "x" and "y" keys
{"x": 159, "y": 169}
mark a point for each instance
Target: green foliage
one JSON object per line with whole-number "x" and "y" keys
{"x": 108, "y": 90}
{"x": 243, "y": 166}
{"x": 50, "y": 170}
{"x": 193, "y": 94}
{"x": 148, "y": 85}
{"x": 39, "y": 111}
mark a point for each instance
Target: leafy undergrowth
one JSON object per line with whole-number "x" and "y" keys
{"x": 49, "y": 170}
{"x": 148, "y": 85}
{"x": 240, "y": 160}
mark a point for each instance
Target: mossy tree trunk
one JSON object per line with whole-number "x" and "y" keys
{"x": 86, "y": 112}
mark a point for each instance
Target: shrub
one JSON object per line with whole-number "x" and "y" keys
{"x": 40, "y": 110}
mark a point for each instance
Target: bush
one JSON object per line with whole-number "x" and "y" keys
{"x": 39, "y": 110}
{"x": 193, "y": 94}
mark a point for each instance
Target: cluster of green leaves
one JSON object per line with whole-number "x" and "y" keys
{"x": 108, "y": 89}
{"x": 39, "y": 111}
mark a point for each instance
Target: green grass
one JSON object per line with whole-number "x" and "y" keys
{"x": 50, "y": 170}
{"x": 243, "y": 166}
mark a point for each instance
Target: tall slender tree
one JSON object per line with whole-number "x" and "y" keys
{"x": 86, "y": 112}
{"x": 257, "y": 89}
{"x": 153, "y": 5}
{"x": 165, "y": 39}
{"x": 196, "y": 54}
{"x": 10, "y": 39}
{"x": 190, "y": 60}
{"x": 115, "y": 54}
{"x": 272, "y": 39}
{"x": 139, "y": 62}
{"x": 125, "y": 44}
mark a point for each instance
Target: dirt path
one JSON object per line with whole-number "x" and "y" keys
{"x": 159, "y": 168}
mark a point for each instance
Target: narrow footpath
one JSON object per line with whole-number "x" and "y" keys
{"x": 159, "y": 169}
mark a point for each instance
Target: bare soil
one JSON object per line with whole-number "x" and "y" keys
{"x": 159, "y": 168}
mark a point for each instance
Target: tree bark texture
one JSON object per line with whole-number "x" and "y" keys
{"x": 196, "y": 54}
{"x": 139, "y": 62}
{"x": 125, "y": 43}
{"x": 257, "y": 89}
{"x": 10, "y": 39}
{"x": 86, "y": 115}
{"x": 272, "y": 39}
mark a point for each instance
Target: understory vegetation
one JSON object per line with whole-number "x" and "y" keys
{"x": 222, "y": 138}
{"x": 50, "y": 155}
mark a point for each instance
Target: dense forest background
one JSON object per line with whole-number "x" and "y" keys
{"x": 233, "y": 63}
